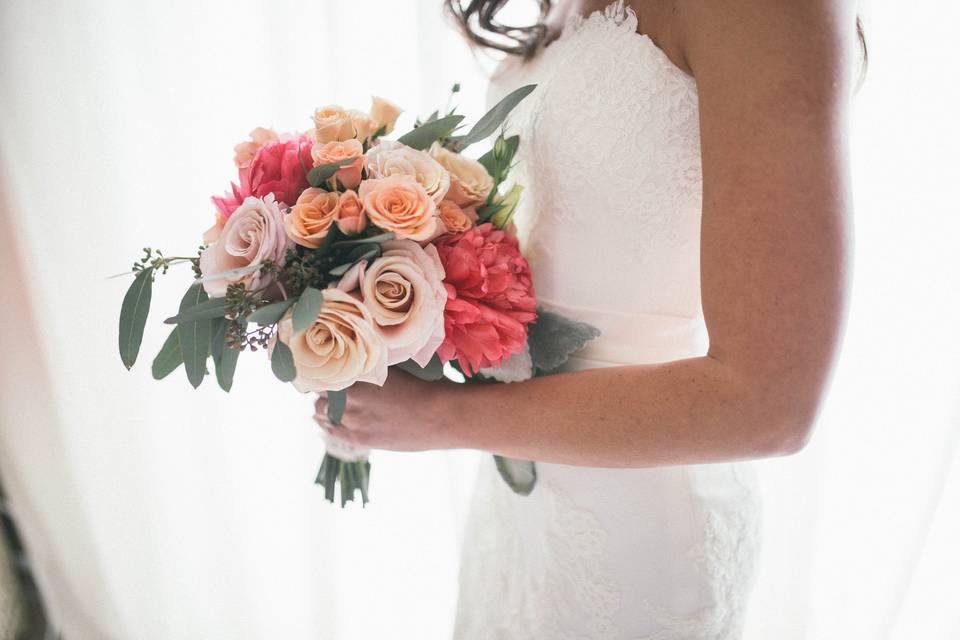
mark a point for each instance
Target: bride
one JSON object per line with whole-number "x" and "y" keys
{"x": 686, "y": 164}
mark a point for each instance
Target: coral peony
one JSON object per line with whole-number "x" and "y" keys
{"x": 279, "y": 167}
{"x": 490, "y": 298}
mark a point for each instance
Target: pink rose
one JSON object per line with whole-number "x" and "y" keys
{"x": 335, "y": 151}
{"x": 399, "y": 204}
{"x": 279, "y": 167}
{"x": 490, "y": 297}
{"x": 253, "y": 235}
{"x": 352, "y": 220}
{"x": 403, "y": 289}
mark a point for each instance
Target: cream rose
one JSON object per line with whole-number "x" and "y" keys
{"x": 309, "y": 221}
{"x": 332, "y": 124}
{"x": 403, "y": 289}
{"x": 391, "y": 158}
{"x": 253, "y": 235}
{"x": 399, "y": 204}
{"x": 470, "y": 184}
{"x": 363, "y": 125}
{"x": 340, "y": 348}
{"x": 384, "y": 114}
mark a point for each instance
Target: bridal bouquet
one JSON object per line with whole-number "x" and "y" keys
{"x": 342, "y": 253}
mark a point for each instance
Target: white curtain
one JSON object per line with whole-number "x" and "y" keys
{"x": 152, "y": 511}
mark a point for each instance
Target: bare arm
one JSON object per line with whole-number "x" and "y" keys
{"x": 773, "y": 79}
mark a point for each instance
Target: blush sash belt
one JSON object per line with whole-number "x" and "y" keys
{"x": 634, "y": 338}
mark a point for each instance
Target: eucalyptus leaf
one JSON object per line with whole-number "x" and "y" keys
{"x": 378, "y": 239}
{"x": 520, "y": 475}
{"x": 489, "y": 123}
{"x": 362, "y": 252}
{"x": 133, "y": 316}
{"x": 336, "y": 405}
{"x": 271, "y": 313}
{"x": 226, "y": 365}
{"x": 169, "y": 357}
{"x": 553, "y": 338}
{"x": 208, "y": 309}
{"x": 281, "y": 362}
{"x": 194, "y": 337}
{"x": 431, "y": 373}
{"x": 429, "y": 132}
{"x": 219, "y": 332}
{"x": 320, "y": 174}
{"x": 307, "y": 308}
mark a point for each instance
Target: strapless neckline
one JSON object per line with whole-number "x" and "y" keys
{"x": 615, "y": 17}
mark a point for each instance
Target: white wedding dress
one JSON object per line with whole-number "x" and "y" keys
{"x": 610, "y": 155}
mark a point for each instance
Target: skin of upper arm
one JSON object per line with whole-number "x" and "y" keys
{"x": 774, "y": 82}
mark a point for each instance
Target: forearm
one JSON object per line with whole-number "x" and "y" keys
{"x": 683, "y": 412}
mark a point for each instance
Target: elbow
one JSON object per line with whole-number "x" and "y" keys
{"x": 782, "y": 433}
{"x": 794, "y": 440}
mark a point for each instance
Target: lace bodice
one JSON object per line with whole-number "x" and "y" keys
{"x": 610, "y": 148}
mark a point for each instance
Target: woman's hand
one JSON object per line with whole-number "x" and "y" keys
{"x": 405, "y": 414}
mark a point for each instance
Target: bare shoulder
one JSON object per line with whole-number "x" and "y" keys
{"x": 771, "y": 40}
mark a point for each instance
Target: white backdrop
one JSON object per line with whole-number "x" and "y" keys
{"x": 156, "y": 512}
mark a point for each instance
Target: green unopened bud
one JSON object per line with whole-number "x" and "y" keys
{"x": 508, "y": 204}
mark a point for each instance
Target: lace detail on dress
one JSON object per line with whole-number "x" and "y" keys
{"x": 562, "y": 592}
{"x": 623, "y": 106}
{"x": 726, "y": 555}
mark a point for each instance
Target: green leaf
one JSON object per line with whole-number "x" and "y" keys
{"x": 336, "y": 404}
{"x": 271, "y": 313}
{"x": 194, "y": 337}
{"x": 133, "y": 316}
{"x": 378, "y": 239}
{"x": 431, "y": 373}
{"x": 169, "y": 357}
{"x": 427, "y": 133}
{"x": 320, "y": 174}
{"x": 307, "y": 308}
{"x": 207, "y": 309}
{"x": 361, "y": 252}
{"x": 281, "y": 361}
{"x": 226, "y": 365}
{"x": 520, "y": 475}
{"x": 489, "y": 123}
{"x": 218, "y": 329}
{"x": 552, "y": 338}
{"x": 224, "y": 356}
